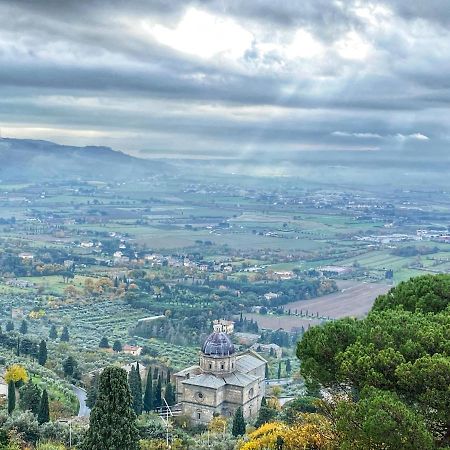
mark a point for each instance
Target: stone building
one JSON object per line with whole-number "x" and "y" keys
{"x": 223, "y": 381}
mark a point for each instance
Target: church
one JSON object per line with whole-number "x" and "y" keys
{"x": 223, "y": 381}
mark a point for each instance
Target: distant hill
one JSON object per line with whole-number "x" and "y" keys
{"x": 26, "y": 159}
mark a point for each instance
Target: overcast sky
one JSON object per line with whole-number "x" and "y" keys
{"x": 228, "y": 77}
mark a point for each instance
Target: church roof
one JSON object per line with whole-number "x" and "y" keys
{"x": 239, "y": 379}
{"x": 218, "y": 344}
{"x": 248, "y": 362}
{"x": 205, "y": 380}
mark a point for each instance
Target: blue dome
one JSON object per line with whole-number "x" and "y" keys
{"x": 218, "y": 344}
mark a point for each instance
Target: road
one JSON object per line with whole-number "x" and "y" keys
{"x": 84, "y": 411}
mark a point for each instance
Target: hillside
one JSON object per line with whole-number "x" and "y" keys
{"x": 24, "y": 159}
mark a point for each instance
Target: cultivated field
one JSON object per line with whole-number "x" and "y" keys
{"x": 353, "y": 300}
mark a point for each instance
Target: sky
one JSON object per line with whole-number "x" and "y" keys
{"x": 227, "y": 78}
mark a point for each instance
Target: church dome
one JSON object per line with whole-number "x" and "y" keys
{"x": 218, "y": 344}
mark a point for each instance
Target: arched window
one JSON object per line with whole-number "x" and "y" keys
{"x": 222, "y": 366}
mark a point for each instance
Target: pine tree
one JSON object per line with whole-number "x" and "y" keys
{"x": 11, "y": 397}
{"x": 65, "y": 335}
{"x": 53, "y": 333}
{"x": 44, "y": 413}
{"x": 148, "y": 396}
{"x": 42, "y": 355}
{"x": 238, "y": 428}
{"x": 169, "y": 394}
{"x": 112, "y": 420}
{"x": 24, "y": 327}
{"x": 30, "y": 397}
{"x": 157, "y": 399}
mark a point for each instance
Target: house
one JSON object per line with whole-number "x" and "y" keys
{"x": 269, "y": 349}
{"x": 132, "y": 350}
{"x": 223, "y": 326}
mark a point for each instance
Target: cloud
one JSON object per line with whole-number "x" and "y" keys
{"x": 261, "y": 76}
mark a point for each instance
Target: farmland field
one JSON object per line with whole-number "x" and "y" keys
{"x": 353, "y": 300}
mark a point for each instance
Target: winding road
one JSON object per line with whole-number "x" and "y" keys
{"x": 81, "y": 394}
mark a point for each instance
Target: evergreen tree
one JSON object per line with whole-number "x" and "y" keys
{"x": 155, "y": 373}
{"x": 117, "y": 347}
{"x": 65, "y": 335}
{"x": 137, "y": 395}
{"x": 18, "y": 346}
{"x": 53, "y": 333}
{"x": 157, "y": 399}
{"x": 44, "y": 413}
{"x": 288, "y": 366}
{"x": 266, "y": 414}
{"x": 24, "y": 327}
{"x": 169, "y": 394}
{"x": 104, "y": 343}
{"x": 30, "y": 397}
{"x": 112, "y": 420}
{"x": 238, "y": 428}
{"x": 168, "y": 376}
{"x": 11, "y": 397}
{"x": 42, "y": 355}
{"x": 279, "y": 370}
{"x": 92, "y": 392}
{"x": 70, "y": 366}
{"x": 148, "y": 396}
{"x": 10, "y": 326}
{"x": 266, "y": 375}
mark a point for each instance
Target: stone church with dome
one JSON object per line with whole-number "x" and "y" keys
{"x": 223, "y": 381}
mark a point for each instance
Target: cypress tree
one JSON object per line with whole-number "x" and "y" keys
{"x": 44, "y": 413}
{"x": 266, "y": 374}
{"x": 137, "y": 397}
{"x": 112, "y": 420}
{"x": 238, "y": 423}
{"x": 104, "y": 343}
{"x": 92, "y": 392}
{"x": 279, "y": 370}
{"x": 18, "y": 346}
{"x": 288, "y": 366}
{"x": 11, "y": 397}
{"x": 155, "y": 373}
{"x": 117, "y": 346}
{"x": 157, "y": 400}
{"x": 148, "y": 396}
{"x": 169, "y": 394}
{"x": 24, "y": 327}
{"x": 53, "y": 333}
{"x": 65, "y": 335}
{"x": 42, "y": 355}
{"x": 30, "y": 397}
{"x": 10, "y": 326}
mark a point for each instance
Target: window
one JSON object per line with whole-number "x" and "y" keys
{"x": 250, "y": 393}
{"x": 222, "y": 366}
{"x": 210, "y": 365}
{"x": 199, "y": 415}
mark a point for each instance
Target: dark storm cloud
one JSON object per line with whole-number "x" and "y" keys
{"x": 110, "y": 73}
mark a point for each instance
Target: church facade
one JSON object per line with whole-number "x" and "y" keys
{"x": 222, "y": 381}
